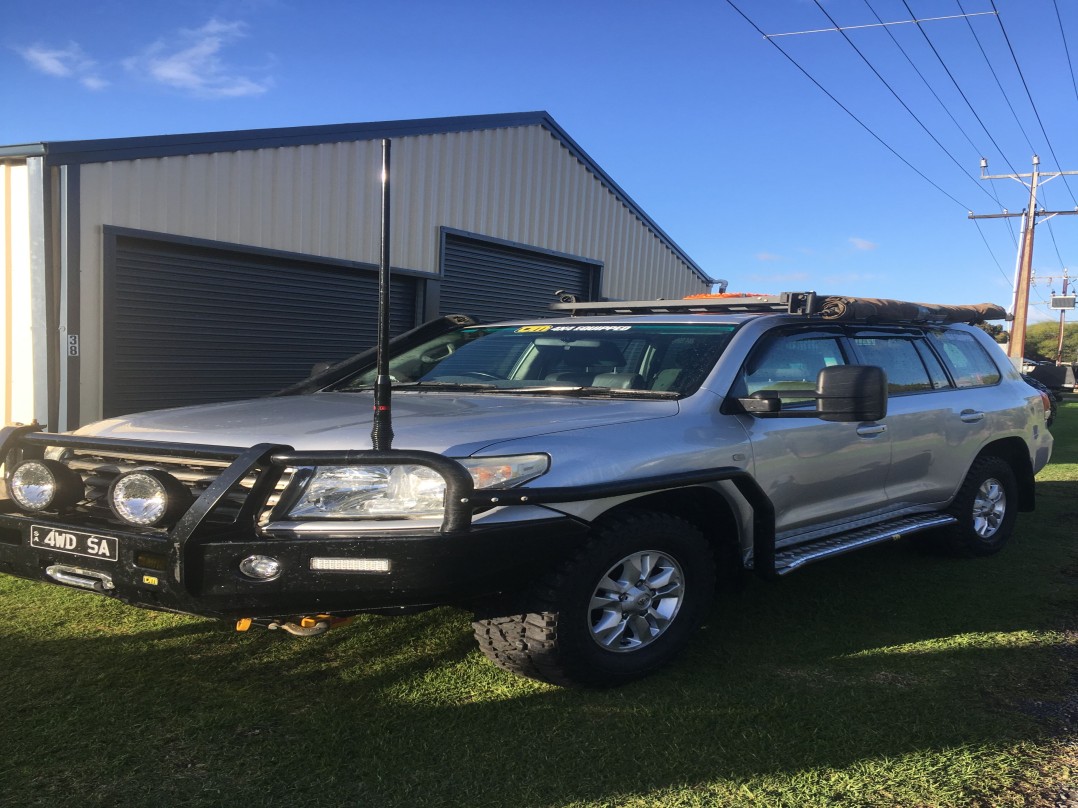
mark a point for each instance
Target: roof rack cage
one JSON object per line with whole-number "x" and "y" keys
{"x": 788, "y": 302}
{"x": 827, "y": 307}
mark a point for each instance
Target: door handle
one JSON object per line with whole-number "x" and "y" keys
{"x": 871, "y": 430}
{"x": 971, "y": 416}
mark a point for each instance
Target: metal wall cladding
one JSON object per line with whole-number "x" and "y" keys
{"x": 518, "y": 183}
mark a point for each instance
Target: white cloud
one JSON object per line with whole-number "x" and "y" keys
{"x": 192, "y": 62}
{"x": 64, "y": 63}
{"x": 768, "y": 256}
{"x": 863, "y": 244}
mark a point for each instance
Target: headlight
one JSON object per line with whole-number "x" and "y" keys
{"x": 372, "y": 491}
{"x": 402, "y": 492}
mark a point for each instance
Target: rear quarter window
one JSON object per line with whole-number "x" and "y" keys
{"x": 965, "y": 358}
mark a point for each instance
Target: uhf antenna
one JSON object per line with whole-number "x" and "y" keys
{"x": 382, "y": 431}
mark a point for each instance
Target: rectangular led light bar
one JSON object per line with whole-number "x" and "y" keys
{"x": 350, "y": 564}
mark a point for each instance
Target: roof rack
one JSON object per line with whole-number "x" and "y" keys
{"x": 827, "y": 307}
{"x": 788, "y": 302}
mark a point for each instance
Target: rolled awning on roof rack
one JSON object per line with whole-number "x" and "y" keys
{"x": 870, "y": 308}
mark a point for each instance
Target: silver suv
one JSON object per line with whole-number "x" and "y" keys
{"x": 577, "y": 481}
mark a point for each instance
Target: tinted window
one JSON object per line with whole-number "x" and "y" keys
{"x": 934, "y": 366}
{"x": 661, "y": 358}
{"x": 899, "y": 358}
{"x": 788, "y": 362}
{"x": 969, "y": 363}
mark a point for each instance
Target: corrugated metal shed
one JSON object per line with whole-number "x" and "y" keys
{"x": 313, "y": 192}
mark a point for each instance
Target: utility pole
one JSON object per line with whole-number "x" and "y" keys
{"x": 1016, "y": 347}
{"x": 1062, "y": 323}
{"x": 1061, "y": 303}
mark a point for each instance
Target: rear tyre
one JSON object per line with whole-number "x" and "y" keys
{"x": 986, "y": 508}
{"x": 624, "y": 605}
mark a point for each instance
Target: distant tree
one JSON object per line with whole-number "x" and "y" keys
{"x": 995, "y": 331}
{"x": 1042, "y": 339}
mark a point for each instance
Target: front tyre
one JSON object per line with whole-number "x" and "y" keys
{"x": 624, "y": 605}
{"x": 986, "y": 508}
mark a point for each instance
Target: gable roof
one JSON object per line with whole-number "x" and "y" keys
{"x": 77, "y": 152}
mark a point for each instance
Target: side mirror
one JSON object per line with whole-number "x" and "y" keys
{"x": 844, "y": 393}
{"x": 851, "y": 393}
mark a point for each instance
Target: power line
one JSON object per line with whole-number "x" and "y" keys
{"x": 881, "y": 24}
{"x": 943, "y": 105}
{"x": 844, "y": 108}
{"x": 899, "y": 99}
{"x": 980, "y": 231}
{"x": 1051, "y": 230}
{"x": 1063, "y": 36}
{"x": 954, "y": 81}
{"x": 999, "y": 84}
{"x": 1029, "y": 95}
{"x": 921, "y": 75}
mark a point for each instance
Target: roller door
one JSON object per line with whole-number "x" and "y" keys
{"x": 190, "y": 325}
{"x": 495, "y": 281}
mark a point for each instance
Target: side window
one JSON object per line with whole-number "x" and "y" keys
{"x": 898, "y": 356}
{"x": 788, "y": 361}
{"x": 969, "y": 363}
{"x": 934, "y": 366}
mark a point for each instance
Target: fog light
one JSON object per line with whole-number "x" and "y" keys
{"x": 148, "y": 497}
{"x": 350, "y": 564}
{"x": 38, "y": 485}
{"x": 260, "y": 567}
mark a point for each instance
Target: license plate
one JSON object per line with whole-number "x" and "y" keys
{"x": 74, "y": 542}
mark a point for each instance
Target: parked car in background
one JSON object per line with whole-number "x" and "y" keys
{"x": 1053, "y": 398}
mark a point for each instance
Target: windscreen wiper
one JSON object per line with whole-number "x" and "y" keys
{"x": 585, "y": 390}
{"x": 445, "y": 386}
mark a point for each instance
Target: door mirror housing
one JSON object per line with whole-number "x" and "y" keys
{"x": 851, "y": 393}
{"x": 844, "y": 393}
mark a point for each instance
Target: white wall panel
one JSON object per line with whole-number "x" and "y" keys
{"x": 17, "y": 398}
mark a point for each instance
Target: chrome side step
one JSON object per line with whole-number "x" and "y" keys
{"x": 791, "y": 558}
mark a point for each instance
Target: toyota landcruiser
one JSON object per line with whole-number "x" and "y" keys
{"x": 579, "y": 482}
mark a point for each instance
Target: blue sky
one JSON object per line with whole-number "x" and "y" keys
{"x": 760, "y": 176}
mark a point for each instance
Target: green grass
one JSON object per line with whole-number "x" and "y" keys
{"x": 882, "y": 678}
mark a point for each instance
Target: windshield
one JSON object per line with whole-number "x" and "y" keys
{"x": 653, "y": 359}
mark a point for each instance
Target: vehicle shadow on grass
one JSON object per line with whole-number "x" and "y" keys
{"x": 866, "y": 659}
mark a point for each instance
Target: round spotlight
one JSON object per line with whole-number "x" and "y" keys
{"x": 148, "y": 497}
{"x": 40, "y": 485}
{"x": 261, "y": 567}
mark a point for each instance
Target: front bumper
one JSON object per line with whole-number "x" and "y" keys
{"x": 435, "y": 568}
{"x": 194, "y": 566}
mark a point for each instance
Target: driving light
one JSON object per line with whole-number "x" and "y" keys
{"x": 350, "y": 564}
{"x": 40, "y": 485}
{"x": 261, "y": 567}
{"x": 148, "y": 497}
